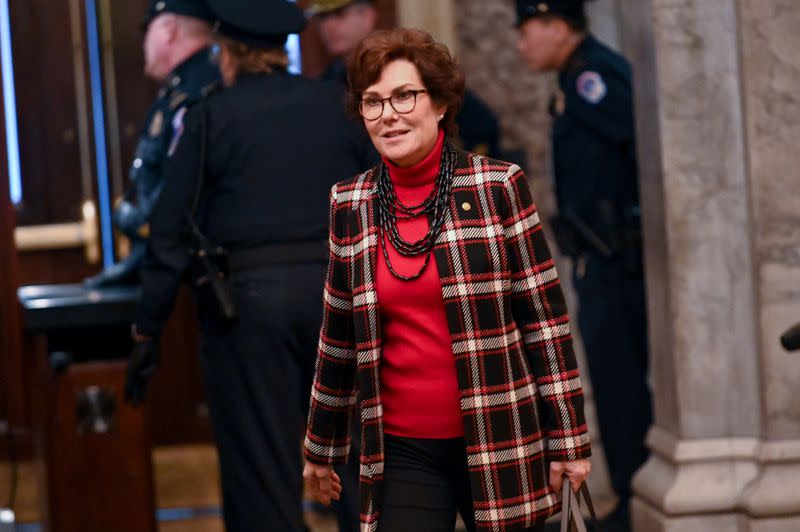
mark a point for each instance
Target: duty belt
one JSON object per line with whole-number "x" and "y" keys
{"x": 278, "y": 254}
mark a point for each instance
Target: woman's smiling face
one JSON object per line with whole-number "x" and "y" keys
{"x": 404, "y": 139}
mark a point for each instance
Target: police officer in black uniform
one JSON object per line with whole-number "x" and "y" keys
{"x": 178, "y": 54}
{"x": 345, "y": 23}
{"x": 598, "y": 225}
{"x": 244, "y": 213}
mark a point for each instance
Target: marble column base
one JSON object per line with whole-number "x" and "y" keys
{"x": 776, "y": 491}
{"x": 783, "y": 524}
{"x": 719, "y": 484}
{"x": 695, "y": 476}
{"x": 646, "y": 518}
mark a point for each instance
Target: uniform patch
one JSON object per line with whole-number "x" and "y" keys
{"x": 155, "y": 124}
{"x": 558, "y": 103}
{"x": 591, "y": 87}
{"x": 177, "y": 131}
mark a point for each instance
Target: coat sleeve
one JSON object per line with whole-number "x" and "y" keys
{"x": 167, "y": 256}
{"x": 333, "y": 391}
{"x": 540, "y": 311}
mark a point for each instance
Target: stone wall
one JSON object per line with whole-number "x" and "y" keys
{"x": 717, "y": 123}
{"x": 771, "y": 80}
{"x": 496, "y": 72}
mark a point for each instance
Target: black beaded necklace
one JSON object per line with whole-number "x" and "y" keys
{"x": 391, "y": 209}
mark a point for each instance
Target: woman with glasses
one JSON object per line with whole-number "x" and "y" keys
{"x": 443, "y": 320}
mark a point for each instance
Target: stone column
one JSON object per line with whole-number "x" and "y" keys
{"x": 438, "y": 18}
{"x": 771, "y": 78}
{"x": 604, "y": 18}
{"x": 713, "y": 101}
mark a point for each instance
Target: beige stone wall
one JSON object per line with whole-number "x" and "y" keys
{"x": 435, "y": 17}
{"x": 497, "y": 74}
{"x": 718, "y": 117}
{"x": 771, "y": 78}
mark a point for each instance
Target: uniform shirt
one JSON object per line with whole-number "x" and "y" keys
{"x": 594, "y": 153}
{"x": 190, "y": 81}
{"x": 276, "y": 143}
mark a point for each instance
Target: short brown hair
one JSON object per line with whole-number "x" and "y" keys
{"x": 253, "y": 60}
{"x": 441, "y": 74}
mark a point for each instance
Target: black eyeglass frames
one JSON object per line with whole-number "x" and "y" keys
{"x": 403, "y": 102}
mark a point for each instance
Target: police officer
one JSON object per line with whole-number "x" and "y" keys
{"x": 178, "y": 54}
{"x": 598, "y": 225}
{"x": 244, "y": 213}
{"x": 344, "y": 23}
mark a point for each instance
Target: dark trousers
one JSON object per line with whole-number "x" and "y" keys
{"x": 258, "y": 376}
{"x": 613, "y": 323}
{"x": 426, "y": 481}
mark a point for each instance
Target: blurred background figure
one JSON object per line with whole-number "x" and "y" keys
{"x": 598, "y": 223}
{"x": 243, "y": 212}
{"x": 343, "y": 24}
{"x": 178, "y": 54}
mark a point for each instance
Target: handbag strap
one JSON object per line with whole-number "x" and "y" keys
{"x": 570, "y": 507}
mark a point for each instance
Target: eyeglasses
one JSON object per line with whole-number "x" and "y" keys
{"x": 403, "y": 102}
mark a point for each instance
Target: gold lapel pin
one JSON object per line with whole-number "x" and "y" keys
{"x": 466, "y": 206}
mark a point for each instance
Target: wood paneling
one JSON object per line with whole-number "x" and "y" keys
{"x": 112, "y": 465}
{"x": 12, "y": 404}
{"x": 47, "y": 111}
{"x": 134, "y": 91}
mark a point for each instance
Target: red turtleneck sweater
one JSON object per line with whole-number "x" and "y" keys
{"x": 419, "y": 390}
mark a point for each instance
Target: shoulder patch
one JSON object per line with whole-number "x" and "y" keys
{"x": 591, "y": 87}
{"x": 156, "y": 122}
{"x": 177, "y": 100}
{"x": 177, "y": 130}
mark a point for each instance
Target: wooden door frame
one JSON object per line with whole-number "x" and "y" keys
{"x": 12, "y": 399}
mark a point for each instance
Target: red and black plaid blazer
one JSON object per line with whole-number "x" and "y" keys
{"x": 521, "y": 396}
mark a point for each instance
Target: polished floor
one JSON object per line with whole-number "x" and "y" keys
{"x": 187, "y": 493}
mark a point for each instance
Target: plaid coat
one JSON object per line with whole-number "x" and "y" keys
{"x": 521, "y": 396}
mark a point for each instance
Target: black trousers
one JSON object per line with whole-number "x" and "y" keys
{"x": 613, "y": 323}
{"x": 426, "y": 481}
{"x": 258, "y": 375}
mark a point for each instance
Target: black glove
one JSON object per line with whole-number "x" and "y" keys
{"x": 141, "y": 365}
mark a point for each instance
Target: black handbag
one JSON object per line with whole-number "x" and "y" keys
{"x": 571, "y": 518}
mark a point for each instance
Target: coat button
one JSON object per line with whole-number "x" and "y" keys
{"x": 466, "y": 206}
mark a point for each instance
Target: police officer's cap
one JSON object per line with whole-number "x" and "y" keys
{"x": 189, "y": 8}
{"x": 571, "y": 9}
{"x": 260, "y": 24}
{"x": 321, "y": 7}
